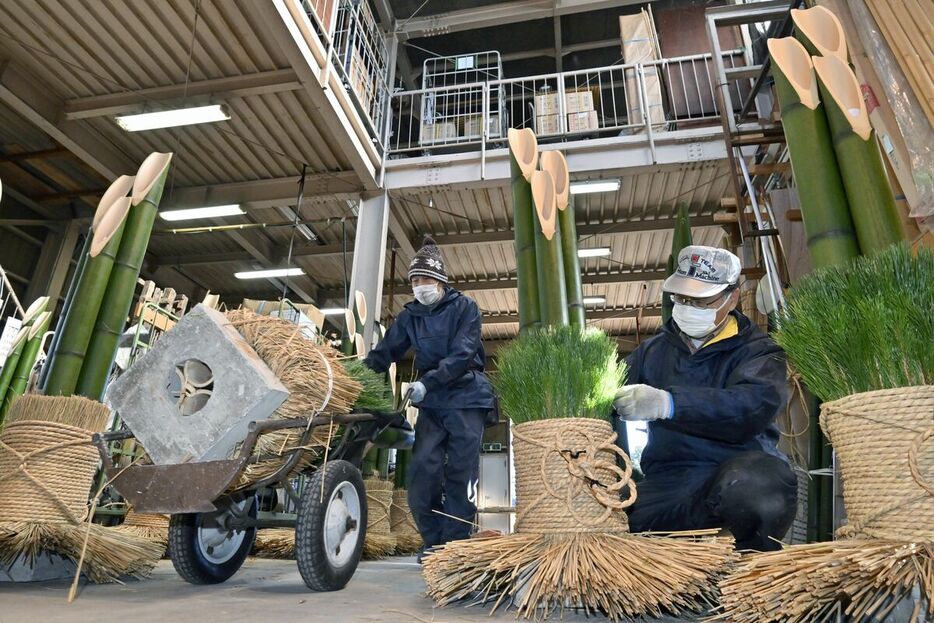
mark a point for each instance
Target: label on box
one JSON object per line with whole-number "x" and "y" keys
{"x": 578, "y": 101}
{"x": 547, "y": 124}
{"x": 547, "y": 104}
{"x": 583, "y": 121}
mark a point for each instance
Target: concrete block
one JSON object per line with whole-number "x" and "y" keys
{"x": 46, "y": 567}
{"x": 194, "y": 394}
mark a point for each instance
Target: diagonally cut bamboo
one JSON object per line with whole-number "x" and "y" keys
{"x": 89, "y": 292}
{"x": 119, "y": 188}
{"x": 552, "y": 292}
{"x": 554, "y": 163}
{"x": 819, "y": 30}
{"x": 360, "y": 312}
{"x": 118, "y": 298}
{"x": 27, "y": 361}
{"x": 12, "y": 359}
{"x": 872, "y": 203}
{"x": 827, "y": 221}
{"x": 681, "y": 237}
{"x": 32, "y": 312}
{"x": 523, "y": 158}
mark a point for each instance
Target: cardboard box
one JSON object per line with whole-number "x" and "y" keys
{"x": 578, "y": 101}
{"x": 547, "y": 124}
{"x": 583, "y": 121}
{"x": 470, "y": 126}
{"x": 547, "y": 104}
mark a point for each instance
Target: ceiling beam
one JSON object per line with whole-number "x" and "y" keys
{"x": 603, "y": 314}
{"x": 34, "y": 155}
{"x": 130, "y": 102}
{"x": 268, "y": 193}
{"x": 501, "y": 13}
{"x": 565, "y": 50}
{"x": 300, "y": 250}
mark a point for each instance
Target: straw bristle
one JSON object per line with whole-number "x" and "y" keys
{"x": 276, "y": 543}
{"x": 70, "y": 410}
{"x": 802, "y": 583}
{"x": 561, "y": 372}
{"x": 377, "y": 546}
{"x": 375, "y": 394}
{"x": 619, "y": 575}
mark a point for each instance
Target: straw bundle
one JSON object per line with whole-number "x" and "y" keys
{"x": 375, "y": 394}
{"x": 403, "y": 527}
{"x": 47, "y": 466}
{"x": 276, "y": 543}
{"x": 379, "y": 539}
{"x": 153, "y": 527}
{"x": 572, "y": 549}
{"x": 315, "y": 380}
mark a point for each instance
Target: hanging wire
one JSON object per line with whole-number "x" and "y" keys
{"x": 177, "y": 131}
{"x": 298, "y": 209}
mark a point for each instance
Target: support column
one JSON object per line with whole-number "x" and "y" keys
{"x": 369, "y": 257}
{"x": 54, "y": 263}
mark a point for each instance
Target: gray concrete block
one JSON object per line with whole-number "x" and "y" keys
{"x": 46, "y": 567}
{"x": 194, "y": 394}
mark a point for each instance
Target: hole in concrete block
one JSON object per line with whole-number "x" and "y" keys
{"x": 190, "y": 385}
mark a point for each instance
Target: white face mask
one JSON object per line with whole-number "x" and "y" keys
{"x": 427, "y": 295}
{"x": 697, "y": 323}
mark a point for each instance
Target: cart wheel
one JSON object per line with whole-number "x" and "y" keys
{"x": 329, "y": 535}
{"x": 203, "y": 552}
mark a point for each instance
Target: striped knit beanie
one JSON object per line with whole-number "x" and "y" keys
{"x": 428, "y": 263}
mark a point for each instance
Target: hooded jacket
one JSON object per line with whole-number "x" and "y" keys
{"x": 726, "y": 396}
{"x": 449, "y": 355}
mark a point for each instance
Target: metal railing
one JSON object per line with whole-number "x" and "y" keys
{"x": 639, "y": 98}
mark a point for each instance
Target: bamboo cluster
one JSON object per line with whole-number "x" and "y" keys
{"x": 19, "y": 364}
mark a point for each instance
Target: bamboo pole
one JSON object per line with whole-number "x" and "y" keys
{"x": 382, "y": 463}
{"x": 819, "y": 30}
{"x": 12, "y": 359}
{"x": 681, "y": 237}
{"x": 831, "y": 238}
{"x": 27, "y": 360}
{"x": 872, "y": 203}
{"x": 118, "y": 298}
{"x": 68, "y": 357}
{"x": 552, "y": 291}
{"x": 523, "y": 157}
{"x": 402, "y": 466}
{"x": 554, "y": 163}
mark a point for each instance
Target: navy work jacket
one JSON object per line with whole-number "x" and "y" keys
{"x": 449, "y": 353}
{"x": 726, "y": 397}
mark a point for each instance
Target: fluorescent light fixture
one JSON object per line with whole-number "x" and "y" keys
{"x": 333, "y": 311}
{"x": 172, "y": 118}
{"x": 268, "y": 274}
{"x": 595, "y": 252}
{"x": 594, "y": 186}
{"x": 195, "y": 213}
{"x": 594, "y": 300}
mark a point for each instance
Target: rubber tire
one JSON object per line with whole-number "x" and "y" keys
{"x": 313, "y": 564}
{"x": 187, "y": 558}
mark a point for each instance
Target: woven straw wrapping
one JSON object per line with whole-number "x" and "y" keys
{"x": 885, "y": 445}
{"x": 379, "y": 503}
{"x": 46, "y": 472}
{"x": 402, "y": 524}
{"x": 567, "y": 479}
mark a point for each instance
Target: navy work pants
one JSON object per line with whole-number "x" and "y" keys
{"x": 753, "y": 496}
{"x": 443, "y": 472}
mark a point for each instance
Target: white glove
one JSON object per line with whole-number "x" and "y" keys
{"x": 643, "y": 402}
{"x": 417, "y": 392}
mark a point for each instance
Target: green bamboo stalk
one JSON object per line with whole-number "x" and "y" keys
{"x": 26, "y": 362}
{"x": 369, "y": 464}
{"x": 831, "y": 238}
{"x": 552, "y": 291}
{"x": 68, "y": 357}
{"x": 12, "y": 359}
{"x": 872, "y": 202}
{"x": 121, "y": 286}
{"x": 554, "y": 162}
{"x": 402, "y": 466}
{"x": 681, "y": 238}
{"x": 524, "y": 228}
{"x": 382, "y": 463}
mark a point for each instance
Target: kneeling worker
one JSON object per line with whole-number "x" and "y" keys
{"x": 452, "y": 394}
{"x": 710, "y": 384}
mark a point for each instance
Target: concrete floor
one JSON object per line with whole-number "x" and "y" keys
{"x": 264, "y": 591}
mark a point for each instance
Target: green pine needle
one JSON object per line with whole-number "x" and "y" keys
{"x": 864, "y": 326}
{"x": 558, "y": 373}
{"x": 376, "y": 394}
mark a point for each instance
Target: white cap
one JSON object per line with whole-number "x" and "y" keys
{"x": 703, "y": 272}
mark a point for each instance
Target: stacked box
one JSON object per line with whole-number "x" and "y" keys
{"x": 547, "y": 104}
{"x": 547, "y": 124}
{"x": 583, "y": 121}
{"x": 581, "y": 110}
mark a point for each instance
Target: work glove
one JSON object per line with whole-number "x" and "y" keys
{"x": 417, "y": 392}
{"x": 643, "y": 402}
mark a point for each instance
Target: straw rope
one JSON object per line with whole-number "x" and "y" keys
{"x": 46, "y": 472}
{"x": 402, "y": 524}
{"x": 882, "y": 439}
{"x": 567, "y": 478}
{"x": 379, "y": 539}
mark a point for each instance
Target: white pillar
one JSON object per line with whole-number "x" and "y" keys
{"x": 369, "y": 258}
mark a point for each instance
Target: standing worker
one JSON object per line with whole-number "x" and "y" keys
{"x": 711, "y": 385}
{"x": 452, "y": 394}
